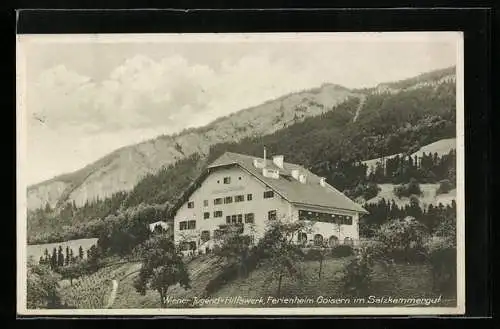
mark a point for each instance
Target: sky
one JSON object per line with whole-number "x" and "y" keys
{"x": 81, "y": 97}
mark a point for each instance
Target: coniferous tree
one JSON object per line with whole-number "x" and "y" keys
{"x": 53, "y": 259}
{"x": 71, "y": 257}
{"x": 80, "y": 253}
{"x": 60, "y": 257}
{"x": 67, "y": 258}
{"x": 46, "y": 256}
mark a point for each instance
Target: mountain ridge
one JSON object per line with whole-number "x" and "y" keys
{"x": 98, "y": 180}
{"x": 123, "y": 168}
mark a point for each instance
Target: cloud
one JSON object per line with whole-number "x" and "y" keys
{"x": 171, "y": 92}
{"x": 144, "y": 96}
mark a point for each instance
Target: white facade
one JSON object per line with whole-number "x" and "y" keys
{"x": 190, "y": 220}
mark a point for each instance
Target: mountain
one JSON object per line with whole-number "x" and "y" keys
{"x": 330, "y": 130}
{"x": 122, "y": 169}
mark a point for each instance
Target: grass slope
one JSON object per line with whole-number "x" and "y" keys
{"x": 428, "y": 196}
{"x": 201, "y": 269}
{"x": 441, "y": 147}
{"x": 398, "y": 280}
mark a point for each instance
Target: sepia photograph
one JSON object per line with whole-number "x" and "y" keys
{"x": 240, "y": 174}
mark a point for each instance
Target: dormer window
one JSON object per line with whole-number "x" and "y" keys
{"x": 268, "y": 194}
{"x": 227, "y": 180}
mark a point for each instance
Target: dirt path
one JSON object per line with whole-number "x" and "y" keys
{"x": 362, "y": 99}
{"x": 112, "y": 296}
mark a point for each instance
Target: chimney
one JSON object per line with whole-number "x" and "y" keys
{"x": 295, "y": 174}
{"x": 322, "y": 181}
{"x": 265, "y": 160}
{"x": 278, "y": 161}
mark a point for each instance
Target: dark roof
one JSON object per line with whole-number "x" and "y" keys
{"x": 309, "y": 193}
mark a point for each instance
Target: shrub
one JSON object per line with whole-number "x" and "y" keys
{"x": 406, "y": 190}
{"x": 445, "y": 186}
{"x": 365, "y": 190}
{"x": 443, "y": 258}
{"x": 342, "y": 251}
{"x": 357, "y": 280}
{"x": 402, "y": 240}
{"x": 313, "y": 254}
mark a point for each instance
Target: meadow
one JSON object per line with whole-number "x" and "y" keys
{"x": 37, "y": 250}
{"x": 396, "y": 280}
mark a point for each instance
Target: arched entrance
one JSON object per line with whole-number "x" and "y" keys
{"x": 318, "y": 240}
{"x": 333, "y": 241}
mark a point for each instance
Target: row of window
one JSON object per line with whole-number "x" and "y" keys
{"x": 324, "y": 217}
{"x": 238, "y": 219}
{"x": 318, "y": 240}
{"x": 249, "y": 218}
{"x": 187, "y": 225}
{"x": 229, "y": 199}
{"x": 232, "y": 219}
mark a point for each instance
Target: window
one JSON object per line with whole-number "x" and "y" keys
{"x": 249, "y": 197}
{"x": 228, "y": 199}
{"x": 318, "y": 240}
{"x": 240, "y": 219}
{"x": 228, "y": 219}
{"x": 271, "y": 215}
{"x": 218, "y": 201}
{"x": 268, "y": 194}
{"x": 183, "y": 225}
{"x": 205, "y": 203}
{"x": 227, "y": 180}
{"x": 239, "y": 198}
{"x": 217, "y": 214}
{"x": 249, "y": 218}
{"x": 239, "y": 178}
{"x": 205, "y": 236}
{"x": 191, "y": 204}
{"x": 233, "y": 219}
{"x": 191, "y": 225}
{"x": 347, "y": 220}
{"x": 206, "y": 215}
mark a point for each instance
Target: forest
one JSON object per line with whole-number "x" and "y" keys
{"x": 330, "y": 145}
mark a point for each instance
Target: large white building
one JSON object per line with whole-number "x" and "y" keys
{"x": 252, "y": 192}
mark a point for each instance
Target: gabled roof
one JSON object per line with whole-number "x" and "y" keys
{"x": 310, "y": 193}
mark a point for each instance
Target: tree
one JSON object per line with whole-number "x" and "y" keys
{"x": 72, "y": 271}
{"x": 42, "y": 287}
{"x": 402, "y": 239}
{"x": 278, "y": 248}
{"x": 162, "y": 267}
{"x": 68, "y": 257}
{"x": 80, "y": 253}
{"x": 234, "y": 246}
{"x": 53, "y": 259}
{"x": 60, "y": 257}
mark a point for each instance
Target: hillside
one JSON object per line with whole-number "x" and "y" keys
{"x": 123, "y": 168}
{"x": 428, "y": 197}
{"x": 441, "y": 147}
{"x": 385, "y": 124}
